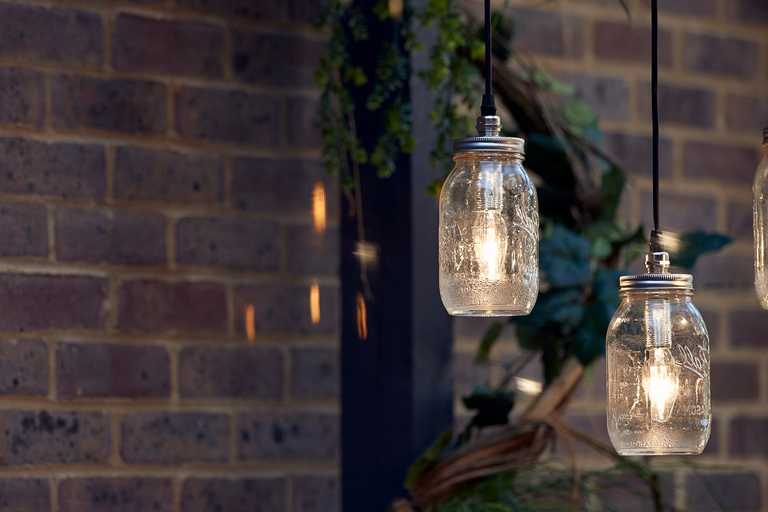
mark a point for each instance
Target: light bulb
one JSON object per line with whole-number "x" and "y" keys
{"x": 489, "y": 239}
{"x": 660, "y": 381}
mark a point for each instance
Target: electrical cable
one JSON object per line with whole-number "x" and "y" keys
{"x": 488, "y": 106}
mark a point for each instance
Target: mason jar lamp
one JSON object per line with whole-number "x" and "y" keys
{"x": 489, "y": 228}
{"x": 489, "y": 220}
{"x": 657, "y": 352}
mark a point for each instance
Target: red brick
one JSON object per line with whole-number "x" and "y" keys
{"x": 681, "y": 212}
{"x": 708, "y": 272}
{"x": 749, "y": 328}
{"x": 117, "y": 494}
{"x": 116, "y": 105}
{"x": 736, "y": 491}
{"x": 264, "y": 494}
{"x": 734, "y": 381}
{"x": 58, "y": 437}
{"x": 23, "y": 368}
{"x": 633, "y": 152}
{"x": 24, "y": 495}
{"x": 623, "y": 41}
{"x": 720, "y": 162}
{"x": 253, "y": 58}
{"x": 22, "y": 97}
{"x": 747, "y": 437}
{"x": 281, "y": 187}
{"x": 304, "y": 11}
{"x": 721, "y": 56}
{"x": 231, "y": 372}
{"x": 165, "y": 46}
{"x": 315, "y": 373}
{"x": 271, "y": 11}
{"x": 315, "y": 493}
{"x": 229, "y": 242}
{"x": 301, "y": 113}
{"x": 23, "y": 230}
{"x": 58, "y": 169}
{"x": 746, "y": 114}
{"x": 286, "y": 436}
{"x": 229, "y": 116}
{"x": 739, "y": 220}
{"x": 197, "y": 308}
{"x": 608, "y": 96}
{"x": 749, "y": 11}
{"x": 701, "y": 8}
{"x": 172, "y": 438}
{"x": 310, "y": 252}
{"x": 167, "y": 176}
{"x": 36, "y": 301}
{"x": 51, "y": 35}
{"x": 548, "y": 33}
{"x": 110, "y": 236}
{"x": 279, "y": 308}
{"x": 689, "y": 106}
{"x": 89, "y": 370}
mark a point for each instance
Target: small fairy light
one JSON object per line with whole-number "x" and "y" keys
{"x": 250, "y": 323}
{"x": 314, "y": 303}
{"x": 319, "y": 209}
{"x": 362, "y": 317}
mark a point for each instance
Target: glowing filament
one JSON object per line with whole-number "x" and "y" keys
{"x": 489, "y": 238}
{"x": 660, "y": 380}
{"x": 314, "y": 303}
{"x": 318, "y": 207}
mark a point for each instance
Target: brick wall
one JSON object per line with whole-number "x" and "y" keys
{"x": 168, "y": 271}
{"x": 714, "y": 103}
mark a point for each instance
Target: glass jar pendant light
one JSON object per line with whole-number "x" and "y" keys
{"x": 489, "y": 220}
{"x": 657, "y": 352}
{"x": 657, "y": 347}
{"x": 760, "y": 224}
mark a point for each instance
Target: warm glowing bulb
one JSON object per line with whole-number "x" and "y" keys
{"x": 660, "y": 373}
{"x": 489, "y": 239}
{"x": 660, "y": 381}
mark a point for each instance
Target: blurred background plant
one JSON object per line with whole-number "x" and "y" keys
{"x": 585, "y": 246}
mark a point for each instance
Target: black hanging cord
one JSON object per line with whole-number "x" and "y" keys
{"x": 488, "y": 107}
{"x": 655, "y": 108}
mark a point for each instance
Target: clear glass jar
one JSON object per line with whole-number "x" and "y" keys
{"x": 657, "y": 365}
{"x": 489, "y": 231}
{"x": 760, "y": 216}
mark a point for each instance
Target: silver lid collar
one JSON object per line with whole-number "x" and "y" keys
{"x": 657, "y": 276}
{"x": 488, "y": 139}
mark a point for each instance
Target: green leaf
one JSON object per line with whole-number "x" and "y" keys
{"x": 491, "y": 406}
{"x": 562, "y": 307}
{"x": 427, "y": 459}
{"x": 564, "y": 258}
{"x": 488, "y": 341}
{"x": 611, "y": 188}
{"x": 690, "y": 246}
{"x": 589, "y": 339}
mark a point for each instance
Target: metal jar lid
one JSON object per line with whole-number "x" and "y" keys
{"x": 657, "y": 276}
{"x": 647, "y": 282}
{"x": 488, "y": 139}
